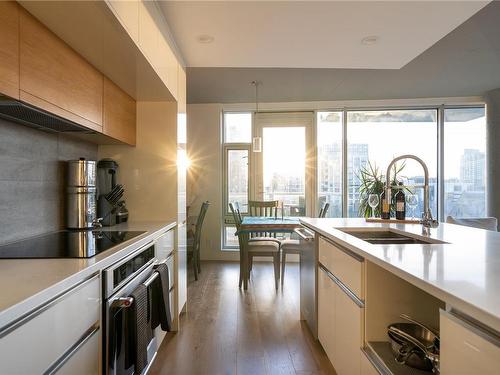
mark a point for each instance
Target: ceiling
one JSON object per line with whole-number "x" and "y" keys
{"x": 466, "y": 62}
{"x": 311, "y": 34}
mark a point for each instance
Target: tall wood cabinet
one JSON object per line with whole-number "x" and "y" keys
{"x": 54, "y": 77}
{"x": 9, "y": 48}
{"x": 119, "y": 113}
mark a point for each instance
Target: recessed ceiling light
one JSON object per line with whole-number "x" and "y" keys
{"x": 369, "y": 40}
{"x": 205, "y": 39}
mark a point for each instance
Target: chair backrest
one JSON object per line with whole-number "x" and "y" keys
{"x": 199, "y": 224}
{"x": 235, "y": 210}
{"x": 488, "y": 223}
{"x": 324, "y": 209}
{"x": 263, "y": 208}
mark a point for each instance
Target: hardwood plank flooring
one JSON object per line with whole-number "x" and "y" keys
{"x": 228, "y": 331}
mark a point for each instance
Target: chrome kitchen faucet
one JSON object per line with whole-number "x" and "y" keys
{"x": 427, "y": 221}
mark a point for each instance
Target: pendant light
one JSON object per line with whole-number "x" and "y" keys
{"x": 256, "y": 141}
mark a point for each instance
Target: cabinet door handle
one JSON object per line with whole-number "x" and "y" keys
{"x": 58, "y": 363}
{"x": 341, "y": 285}
{"x": 473, "y": 347}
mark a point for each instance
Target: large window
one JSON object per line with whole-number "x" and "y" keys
{"x": 237, "y": 135}
{"x": 348, "y": 141}
{"x": 329, "y": 156}
{"x": 237, "y": 127}
{"x": 377, "y": 137}
{"x": 464, "y": 162}
{"x": 284, "y": 161}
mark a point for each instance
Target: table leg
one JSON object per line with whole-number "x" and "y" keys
{"x": 244, "y": 258}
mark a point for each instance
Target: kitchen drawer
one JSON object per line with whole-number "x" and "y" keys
{"x": 367, "y": 367}
{"x": 85, "y": 359}
{"x": 164, "y": 244}
{"x": 467, "y": 349}
{"x": 326, "y": 314}
{"x": 170, "y": 265}
{"x": 43, "y": 336}
{"x": 159, "y": 333}
{"x": 347, "y": 267}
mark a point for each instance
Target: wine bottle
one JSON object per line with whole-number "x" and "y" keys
{"x": 386, "y": 207}
{"x": 400, "y": 203}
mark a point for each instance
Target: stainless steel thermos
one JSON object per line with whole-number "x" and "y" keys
{"x": 81, "y": 194}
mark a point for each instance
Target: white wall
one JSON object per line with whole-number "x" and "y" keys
{"x": 148, "y": 171}
{"x": 205, "y": 176}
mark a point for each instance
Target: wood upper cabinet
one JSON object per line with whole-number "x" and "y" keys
{"x": 56, "y": 78}
{"x": 119, "y": 114}
{"x": 9, "y": 48}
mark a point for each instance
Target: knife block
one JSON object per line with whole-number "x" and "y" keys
{"x": 106, "y": 211}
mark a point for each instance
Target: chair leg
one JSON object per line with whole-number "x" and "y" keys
{"x": 283, "y": 261}
{"x": 198, "y": 261}
{"x": 195, "y": 266}
{"x": 276, "y": 261}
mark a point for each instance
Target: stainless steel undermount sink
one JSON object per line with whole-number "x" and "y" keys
{"x": 387, "y": 237}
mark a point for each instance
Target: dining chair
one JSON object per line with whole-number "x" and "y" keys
{"x": 292, "y": 246}
{"x": 488, "y": 223}
{"x": 263, "y": 209}
{"x": 193, "y": 245}
{"x": 255, "y": 247}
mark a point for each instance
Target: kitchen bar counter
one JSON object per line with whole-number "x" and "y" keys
{"x": 28, "y": 283}
{"x": 464, "y": 272}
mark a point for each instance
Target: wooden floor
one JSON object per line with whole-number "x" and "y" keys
{"x": 228, "y": 331}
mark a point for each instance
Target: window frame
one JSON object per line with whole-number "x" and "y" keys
{"x": 441, "y": 157}
{"x": 344, "y": 110}
{"x": 227, "y": 217}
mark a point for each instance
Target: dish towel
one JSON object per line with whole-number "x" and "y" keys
{"x": 161, "y": 288}
{"x": 141, "y": 333}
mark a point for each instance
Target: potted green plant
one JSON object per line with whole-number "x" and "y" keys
{"x": 372, "y": 181}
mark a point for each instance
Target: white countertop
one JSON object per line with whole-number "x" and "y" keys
{"x": 464, "y": 272}
{"x": 28, "y": 283}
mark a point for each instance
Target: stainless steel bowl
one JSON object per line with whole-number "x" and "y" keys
{"x": 407, "y": 353}
{"x": 415, "y": 345}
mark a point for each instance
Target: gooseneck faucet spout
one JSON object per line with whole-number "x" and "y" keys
{"x": 427, "y": 220}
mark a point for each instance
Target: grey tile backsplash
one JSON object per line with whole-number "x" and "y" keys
{"x": 32, "y": 179}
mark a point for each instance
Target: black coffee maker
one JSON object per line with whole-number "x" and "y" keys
{"x": 110, "y": 206}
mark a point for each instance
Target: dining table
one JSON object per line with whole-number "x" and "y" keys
{"x": 259, "y": 224}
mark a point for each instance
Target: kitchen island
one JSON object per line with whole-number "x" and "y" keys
{"x": 451, "y": 275}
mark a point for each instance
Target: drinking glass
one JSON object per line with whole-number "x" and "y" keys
{"x": 412, "y": 202}
{"x": 373, "y": 202}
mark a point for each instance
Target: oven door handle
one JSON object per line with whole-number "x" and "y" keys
{"x": 124, "y": 302}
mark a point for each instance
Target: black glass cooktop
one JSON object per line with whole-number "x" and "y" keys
{"x": 66, "y": 244}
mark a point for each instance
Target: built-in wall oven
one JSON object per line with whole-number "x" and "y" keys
{"x": 119, "y": 281}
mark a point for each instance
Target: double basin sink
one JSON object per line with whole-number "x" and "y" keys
{"x": 387, "y": 237}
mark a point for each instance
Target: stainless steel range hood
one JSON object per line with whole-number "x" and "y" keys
{"x": 26, "y": 114}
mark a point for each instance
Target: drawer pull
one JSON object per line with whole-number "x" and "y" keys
{"x": 72, "y": 350}
{"x": 344, "y": 288}
{"x": 473, "y": 347}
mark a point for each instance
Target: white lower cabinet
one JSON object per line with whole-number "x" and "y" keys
{"x": 340, "y": 324}
{"x": 466, "y": 349}
{"x": 326, "y": 314}
{"x": 83, "y": 360}
{"x": 51, "y": 334}
{"x": 348, "y": 337}
{"x": 366, "y": 366}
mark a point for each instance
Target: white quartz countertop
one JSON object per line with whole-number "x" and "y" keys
{"x": 464, "y": 272}
{"x": 28, "y": 283}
